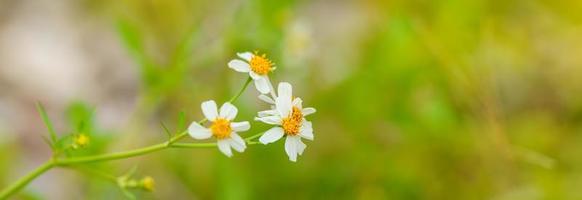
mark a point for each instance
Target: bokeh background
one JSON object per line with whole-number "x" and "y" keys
{"x": 416, "y": 99}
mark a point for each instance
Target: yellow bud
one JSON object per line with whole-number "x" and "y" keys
{"x": 80, "y": 141}
{"x": 148, "y": 183}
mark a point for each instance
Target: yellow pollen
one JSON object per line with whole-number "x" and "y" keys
{"x": 260, "y": 64}
{"x": 292, "y": 123}
{"x": 221, "y": 128}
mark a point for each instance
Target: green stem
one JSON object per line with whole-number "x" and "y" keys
{"x": 254, "y": 136}
{"x": 120, "y": 155}
{"x": 20, "y": 183}
{"x": 193, "y": 145}
{"x": 234, "y": 98}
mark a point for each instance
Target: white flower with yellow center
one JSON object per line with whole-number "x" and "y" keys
{"x": 289, "y": 116}
{"x": 222, "y": 127}
{"x": 258, "y": 67}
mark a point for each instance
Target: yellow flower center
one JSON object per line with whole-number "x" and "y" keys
{"x": 292, "y": 123}
{"x": 221, "y": 128}
{"x": 260, "y": 64}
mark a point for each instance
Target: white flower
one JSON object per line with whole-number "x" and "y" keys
{"x": 289, "y": 118}
{"x": 222, "y": 128}
{"x": 258, "y": 67}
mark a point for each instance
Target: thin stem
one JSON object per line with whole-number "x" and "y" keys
{"x": 193, "y": 145}
{"x": 120, "y": 155}
{"x": 254, "y": 136}
{"x": 20, "y": 183}
{"x": 234, "y": 98}
{"x": 211, "y": 144}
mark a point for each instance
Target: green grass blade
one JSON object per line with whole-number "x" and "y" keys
{"x": 47, "y": 123}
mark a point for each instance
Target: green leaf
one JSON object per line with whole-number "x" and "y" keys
{"x": 80, "y": 117}
{"x": 167, "y": 131}
{"x": 47, "y": 123}
{"x": 131, "y": 37}
{"x": 47, "y": 141}
{"x": 181, "y": 122}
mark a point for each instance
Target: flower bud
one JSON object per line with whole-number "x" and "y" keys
{"x": 147, "y": 183}
{"x": 80, "y": 141}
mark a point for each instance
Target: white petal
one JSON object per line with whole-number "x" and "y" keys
{"x": 297, "y": 102}
{"x": 308, "y": 111}
{"x": 271, "y": 135}
{"x": 283, "y": 101}
{"x": 291, "y": 147}
{"x": 267, "y": 113}
{"x": 240, "y": 126}
{"x": 266, "y": 99}
{"x": 262, "y": 85}
{"x": 245, "y": 55}
{"x": 300, "y": 146}
{"x": 209, "y": 110}
{"x": 236, "y": 137}
{"x": 273, "y": 120}
{"x": 228, "y": 111}
{"x": 237, "y": 143}
{"x": 285, "y": 90}
{"x": 254, "y": 75}
{"x": 306, "y": 130}
{"x": 199, "y": 132}
{"x": 224, "y": 147}
{"x": 283, "y": 106}
{"x": 239, "y": 65}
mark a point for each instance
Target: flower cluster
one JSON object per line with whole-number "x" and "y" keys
{"x": 286, "y": 113}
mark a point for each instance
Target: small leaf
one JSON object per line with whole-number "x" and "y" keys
{"x": 45, "y": 139}
{"x": 80, "y": 117}
{"x": 166, "y": 130}
{"x": 81, "y": 126}
{"x": 131, "y": 36}
{"x": 47, "y": 123}
{"x": 181, "y": 122}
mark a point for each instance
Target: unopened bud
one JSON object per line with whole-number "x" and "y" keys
{"x": 80, "y": 140}
{"x": 148, "y": 183}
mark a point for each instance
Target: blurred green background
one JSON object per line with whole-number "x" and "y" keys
{"x": 416, "y": 99}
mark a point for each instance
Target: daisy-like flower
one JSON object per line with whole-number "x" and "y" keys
{"x": 258, "y": 67}
{"x": 222, "y": 127}
{"x": 289, "y": 118}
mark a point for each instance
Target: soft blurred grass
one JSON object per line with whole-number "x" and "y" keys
{"x": 427, "y": 100}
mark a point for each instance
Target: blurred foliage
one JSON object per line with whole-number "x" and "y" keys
{"x": 416, "y": 99}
